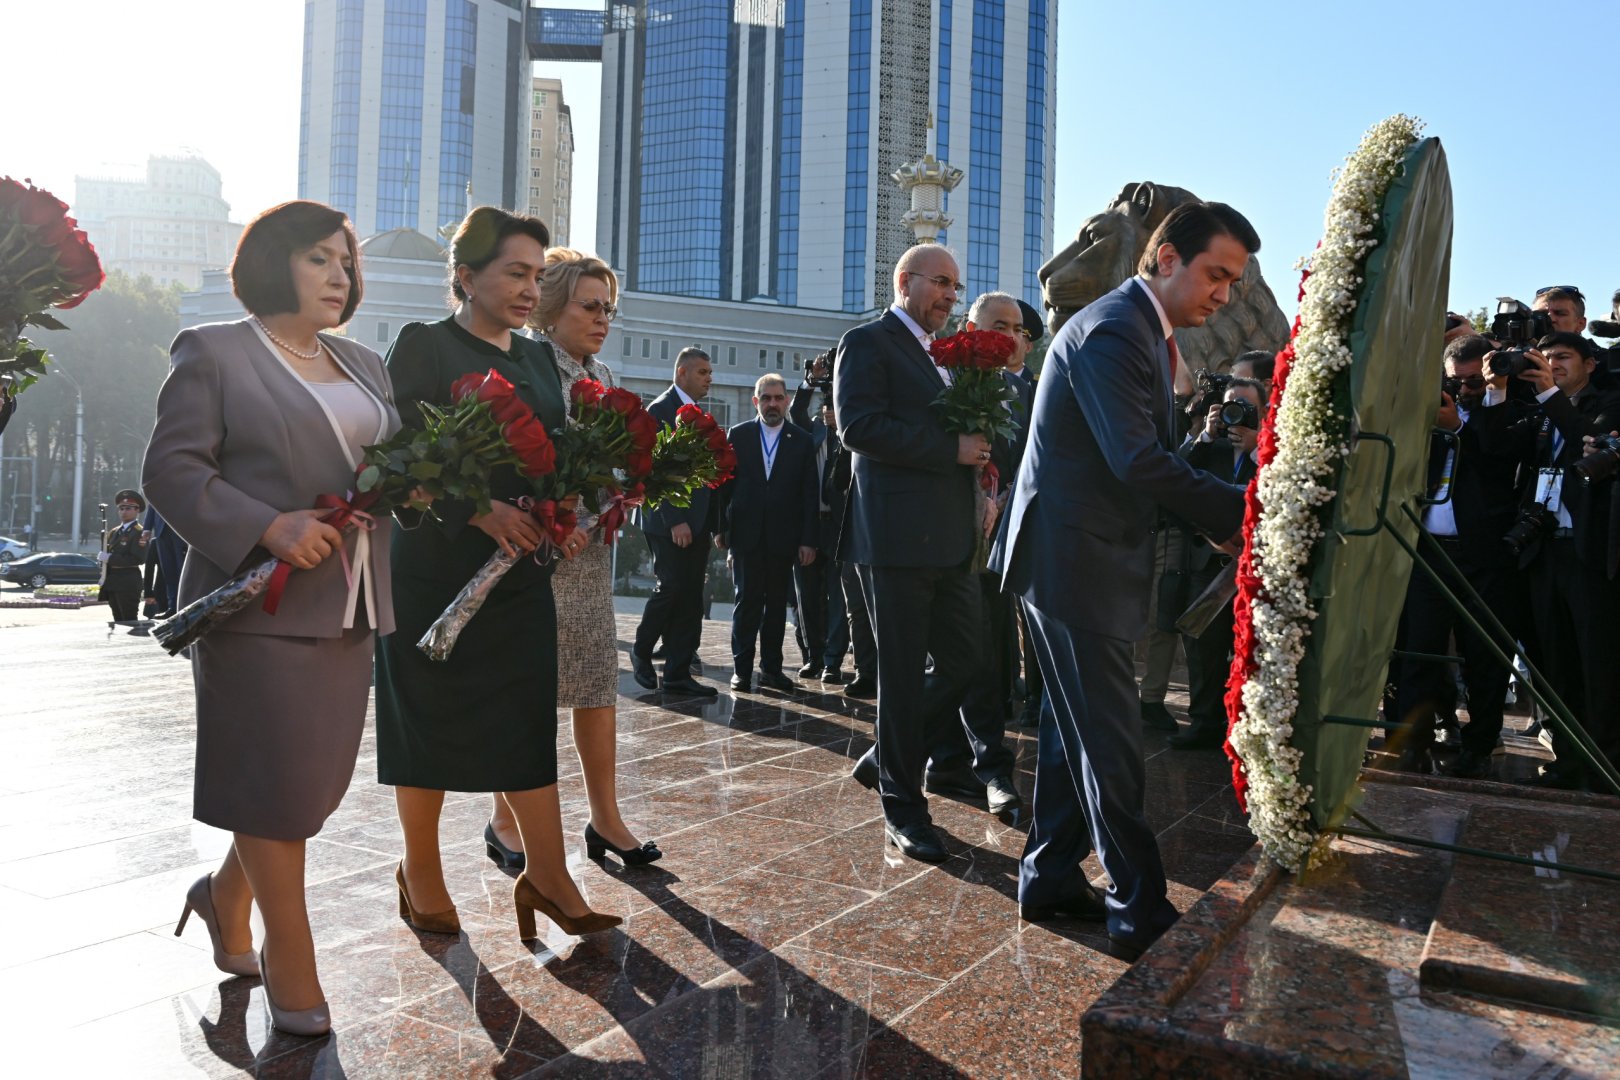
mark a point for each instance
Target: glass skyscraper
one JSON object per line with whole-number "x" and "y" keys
{"x": 747, "y": 145}
{"x": 407, "y": 102}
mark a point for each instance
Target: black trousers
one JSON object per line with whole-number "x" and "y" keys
{"x": 764, "y": 582}
{"x": 810, "y": 604}
{"x": 1032, "y": 669}
{"x": 861, "y": 638}
{"x": 1429, "y": 624}
{"x": 1209, "y": 660}
{"x": 980, "y": 743}
{"x": 1576, "y": 609}
{"x": 918, "y": 612}
{"x": 675, "y": 610}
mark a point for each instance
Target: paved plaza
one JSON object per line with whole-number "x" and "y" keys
{"x": 777, "y": 937}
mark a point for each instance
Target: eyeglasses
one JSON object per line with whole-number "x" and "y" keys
{"x": 1572, "y": 290}
{"x": 597, "y": 307}
{"x": 941, "y": 280}
{"x": 1473, "y": 382}
{"x": 128, "y": 506}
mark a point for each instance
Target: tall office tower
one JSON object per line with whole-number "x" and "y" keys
{"x": 551, "y": 158}
{"x": 172, "y": 225}
{"x": 407, "y": 102}
{"x": 747, "y": 145}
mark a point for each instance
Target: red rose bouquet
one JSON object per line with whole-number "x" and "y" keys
{"x": 605, "y": 454}
{"x": 451, "y": 456}
{"x": 692, "y": 454}
{"x": 980, "y": 400}
{"x": 46, "y": 261}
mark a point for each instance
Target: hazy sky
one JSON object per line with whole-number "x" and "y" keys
{"x": 1251, "y": 103}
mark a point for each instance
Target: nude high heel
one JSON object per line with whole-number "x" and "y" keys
{"x": 312, "y": 1021}
{"x": 200, "y": 898}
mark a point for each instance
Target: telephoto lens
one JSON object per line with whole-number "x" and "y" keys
{"x": 1602, "y": 462}
{"x": 1240, "y": 413}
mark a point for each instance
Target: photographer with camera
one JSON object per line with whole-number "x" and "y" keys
{"x": 1565, "y": 530}
{"x": 1227, "y": 448}
{"x": 1475, "y": 499}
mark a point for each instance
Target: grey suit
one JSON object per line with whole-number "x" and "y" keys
{"x": 1077, "y": 545}
{"x": 281, "y": 700}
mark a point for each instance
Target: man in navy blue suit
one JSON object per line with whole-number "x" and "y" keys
{"x": 679, "y": 539}
{"x": 909, "y": 526}
{"x": 1077, "y": 545}
{"x": 768, "y": 516}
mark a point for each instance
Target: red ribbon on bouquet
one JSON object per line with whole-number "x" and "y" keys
{"x": 555, "y": 521}
{"x": 344, "y": 511}
{"x": 613, "y": 515}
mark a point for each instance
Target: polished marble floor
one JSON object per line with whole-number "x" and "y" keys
{"x": 778, "y": 937}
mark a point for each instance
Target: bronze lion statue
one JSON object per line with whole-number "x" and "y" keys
{"x": 1105, "y": 253}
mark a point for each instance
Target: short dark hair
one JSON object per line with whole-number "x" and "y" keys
{"x": 1190, "y": 227}
{"x": 691, "y": 354}
{"x": 1568, "y": 340}
{"x": 261, "y": 272}
{"x": 479, "y": 237}
{"x": 1256, "y": 385}
{"x": 1262, "y": 361}
{"x": 1469, "y": 347}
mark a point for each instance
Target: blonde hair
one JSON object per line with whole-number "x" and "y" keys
{"x": 564, "y": 268}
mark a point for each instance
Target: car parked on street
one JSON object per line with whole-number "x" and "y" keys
{"x": 52, "y": 568}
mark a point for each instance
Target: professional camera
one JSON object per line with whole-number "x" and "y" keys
{"x": 1210, "y": 389}
{"x": 1240, "y": 412}
{"x": 1517, "y": 325}
{"x": 1534, "y": 521}
{"x": 818, "y": 373}
{"x": 1451, "y": 386}
{"x": 1602, "y": 462}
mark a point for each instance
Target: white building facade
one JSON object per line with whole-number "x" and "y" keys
{"x": 171, "y": 225}
{"x": 551, "y": 158}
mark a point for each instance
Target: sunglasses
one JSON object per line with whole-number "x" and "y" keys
{"x": 1543, "y": 291}
{"x": 596, "y": 307}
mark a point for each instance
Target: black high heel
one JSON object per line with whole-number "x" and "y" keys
{"x": 499, "y": 853}
{"x": 596, "y": 848}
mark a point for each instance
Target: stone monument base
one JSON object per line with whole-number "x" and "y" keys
{"x": 1391, "y": 961}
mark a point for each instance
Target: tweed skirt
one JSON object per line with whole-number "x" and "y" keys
{"x": 587, "y": 641}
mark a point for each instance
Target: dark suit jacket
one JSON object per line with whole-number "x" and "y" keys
{"x": 1077, "y": 541}
{"x": 776, "y": 516}
{"x": 660, "y": 521}
{"x": 909, "y": 502}
{"x": 1486, "y": 488}
{"x": 1514, "y": 429}
{"x": 1008, "y": 456}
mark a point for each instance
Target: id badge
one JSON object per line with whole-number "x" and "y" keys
{"x": 1550, "y": 488}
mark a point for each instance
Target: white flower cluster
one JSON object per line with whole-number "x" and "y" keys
{"x": 1294, "y": 489}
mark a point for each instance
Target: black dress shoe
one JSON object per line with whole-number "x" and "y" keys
{"x": 1030, "y": 718}
{"x": 642, "y": 668}
{"x": 1088, "y": 905}
{"x": 689, "y": 685}
{"x": 1157, "y": 718}
{"x": 1471, "y": 766}
{"x": 741, "y": 684}
{"x": 958, "y": 781}
{"x": 1125, "y": 949}
{"x": 775, "y": 680}
{"x": 596, "y": 849}
{"x": 1415, "y": 759}
{"x": 1197, "y": 740}
{"x": 916, "y": 841}
{"x": 808, "y": 669}
{"x": 1001, "y": 796}
{"x": 832, "y": 675}
{"x": 861, "y": 686}
{"x": 866, "y": 771}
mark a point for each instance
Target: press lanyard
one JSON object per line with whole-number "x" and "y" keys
{"x": 768, "y": 447}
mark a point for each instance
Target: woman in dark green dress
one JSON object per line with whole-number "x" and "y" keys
{"x": 485, "y": 719}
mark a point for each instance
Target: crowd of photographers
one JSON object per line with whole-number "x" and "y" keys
{"x": 1521, "y": 484}
{"x": 1520, "y": 507}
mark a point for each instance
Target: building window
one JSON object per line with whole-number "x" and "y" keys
{"x": 856, "y": 143}
{"x": 382, "y": 331}
{"x": 646, "y": 348}
{"x": 764, "y": 357}
{"x": 984, "y": 154}
{"x": 731, "y": 355}
{"x": 626, "y": 345}
{"x": 663, "y": 349}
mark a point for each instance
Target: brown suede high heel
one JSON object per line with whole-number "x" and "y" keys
{"x": 527, "y": 899}
{"x": 433, "y": 922}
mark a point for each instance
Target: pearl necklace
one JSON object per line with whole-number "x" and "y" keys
{"x": 312, "y": 354}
